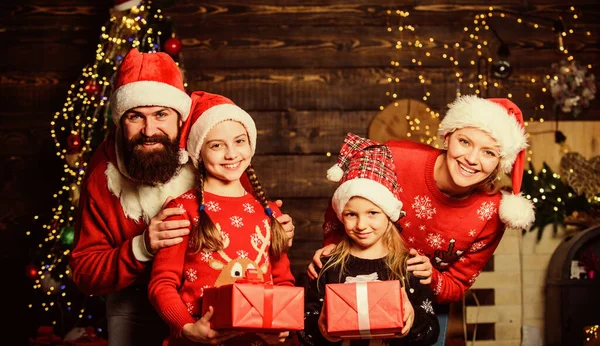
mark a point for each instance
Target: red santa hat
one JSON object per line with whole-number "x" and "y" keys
{"x": 366, "y": 169}
{"x": 503, "y": 121}
{"x": 207, "y": 111}
{"x": 125, "y": 5}
{"x": 149, "y": 79}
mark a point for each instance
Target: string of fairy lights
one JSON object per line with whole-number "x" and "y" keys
{"x": 473, "y": 50}
{"x": 77, "y": 129}
{"x": 473, "y": 36}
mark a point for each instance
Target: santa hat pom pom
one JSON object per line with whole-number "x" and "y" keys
{"x": 183, "y": 157}
{"x": 335, "y": 173}
{"x": 516, "y": 211}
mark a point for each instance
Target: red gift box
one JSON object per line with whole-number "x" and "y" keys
{"x": 253, "y": 305}
{"x": 366, "y": 310}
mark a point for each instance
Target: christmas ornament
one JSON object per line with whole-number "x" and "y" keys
{"x": 172, "y": 46}
{"x": 67, "y": 235}
{"x": 74, "y": 143}
{"x": 91, "y": 88}
{"x": 501, "y": 68}
{"x": 31, "y": 271}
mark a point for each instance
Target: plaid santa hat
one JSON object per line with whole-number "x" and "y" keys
{"x": 207, "y": 111}
{"x": 366, "y": 169}
{"x": 149, "y": 79}
{"x": 503, "y": 121}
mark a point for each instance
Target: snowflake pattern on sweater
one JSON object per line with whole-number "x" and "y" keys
{"x": 458, "y": 236}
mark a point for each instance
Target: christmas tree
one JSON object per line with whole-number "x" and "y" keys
{"x": 77, "y": 129}
{"x": 554, "y": 199}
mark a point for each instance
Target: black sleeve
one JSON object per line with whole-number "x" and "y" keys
{"x": 313, "y": 302}
{"x": 425, "y": 329}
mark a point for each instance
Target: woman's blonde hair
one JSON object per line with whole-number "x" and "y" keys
{"x": 395, "y": 260}
{"x": 206, "y": 236}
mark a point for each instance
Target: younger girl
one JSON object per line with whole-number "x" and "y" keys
{"x": 367, "y": 203}
{"x": 232, "y": 230}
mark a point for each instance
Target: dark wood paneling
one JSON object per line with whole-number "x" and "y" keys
{"x": 293, "y": 176}
{"x": 351, "y": 13}
{"x": 355, "y": 89}
{"x": 307, "y": 132}
{"x": 333, "y": 89}
{"x": 307, "y": 215}
{"x": 360, "y": 46}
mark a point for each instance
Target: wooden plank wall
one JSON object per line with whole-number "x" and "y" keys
{"x": 311, "y": 71}
{"x": 308, "y": 72}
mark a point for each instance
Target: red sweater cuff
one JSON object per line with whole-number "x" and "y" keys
{"x": 177, "y": 320}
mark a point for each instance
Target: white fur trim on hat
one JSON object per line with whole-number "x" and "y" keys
{"x": 149, "y": 93}
{"x": 491, "y": 117}
{"x": 516, "y": 211}
{"x": 126, "y": 5}
{"x": 335, "y": 173}
{"x": 213, "y": 116}
{"x": 371, "y": 190}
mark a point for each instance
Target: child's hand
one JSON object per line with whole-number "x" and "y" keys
{"x": 316, "y": 260}
{"x": 286, "y": 221}
{"x": 420, "y": 266}
{"x": 200, "y": 331}
{"x": 274, "y": 338}
{"x": 408, "y": 313}
{"x": 323, "y": 327}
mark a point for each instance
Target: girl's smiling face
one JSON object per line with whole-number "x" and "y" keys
{"x": 226, "y": 152}
{"x": 365, "y": 223}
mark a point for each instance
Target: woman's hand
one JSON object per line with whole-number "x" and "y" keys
{"x": 316, "y": 260}
{"x": 420, "y": 266}
{"x": 200, "y": 331}
{"x": 274, "y": 338}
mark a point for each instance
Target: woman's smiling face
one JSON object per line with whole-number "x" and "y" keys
{"x": 472, "y": 156}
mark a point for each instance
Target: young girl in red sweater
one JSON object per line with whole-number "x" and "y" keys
{"x": 231, "y": 231}
{"x": 456, "y": 213}
{"x": 371, "y": 249}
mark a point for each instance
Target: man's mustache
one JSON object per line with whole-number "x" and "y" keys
{"x": 141, "y": 139}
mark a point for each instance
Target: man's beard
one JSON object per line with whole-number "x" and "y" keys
{"x": 151, "y": 167}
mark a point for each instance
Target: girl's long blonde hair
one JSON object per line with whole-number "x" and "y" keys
{"x": 206, "y": 237}
{"x": 395, "y": 260}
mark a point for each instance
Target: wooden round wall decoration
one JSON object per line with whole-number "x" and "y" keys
{"x": 406, "y": 119}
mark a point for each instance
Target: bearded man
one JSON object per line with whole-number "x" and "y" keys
{"x": 132, "y": 175}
